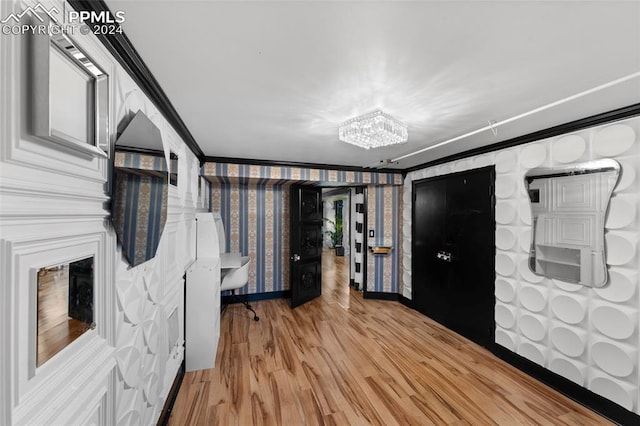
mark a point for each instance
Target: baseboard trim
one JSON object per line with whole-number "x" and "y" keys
{"x": 171, "y": 398}
{"x": 405, "y": 301}
{"x": 581, "y": 395}
{"x": 379, "y": 295}
{"x": 241, "y": 298}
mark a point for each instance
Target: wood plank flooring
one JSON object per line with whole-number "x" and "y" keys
{"x": 343, "y": 360}
{"x": 56, "y": 330}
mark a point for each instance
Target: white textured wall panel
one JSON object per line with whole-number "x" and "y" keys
{"x": 52, "y": 209}
{"x": 147, "y": 366}
{"x": 588, "y": 335}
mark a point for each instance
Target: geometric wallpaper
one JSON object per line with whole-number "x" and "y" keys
{"x": 587, "y": 335}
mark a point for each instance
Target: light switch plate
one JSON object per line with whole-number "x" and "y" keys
{"x": 372, "y": 233}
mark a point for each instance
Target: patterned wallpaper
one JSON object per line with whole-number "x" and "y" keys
{"x": 140, "y": 161}
{"x": 383, "y": 271}
{"x": 226, "y": 173}
{"x": 254, "y": 204}
{"x": 256, "y": 221}
{"x": 139, "y": 198}
{"x": 588, "y": 335}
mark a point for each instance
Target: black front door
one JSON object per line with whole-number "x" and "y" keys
{"x": 453, "y": 253}
{"x": 470, "y": 230}
{"x": 431, "y": 280}
{"x": 305, "y": 244}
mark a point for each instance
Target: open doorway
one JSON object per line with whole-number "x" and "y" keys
{"x": 336, "y": 224}
{"x": 343, "y": 248}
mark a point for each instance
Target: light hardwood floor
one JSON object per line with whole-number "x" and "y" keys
{"x": 344, "y": 360}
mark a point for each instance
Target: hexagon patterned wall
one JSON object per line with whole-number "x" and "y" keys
{"x": 147, "y": 362}
{"x": 587, "y": 335}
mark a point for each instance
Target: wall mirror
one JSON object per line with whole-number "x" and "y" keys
{"x": 140, "y": 189}
{"x": 65, "y": 306}
{"x": 569, "y": 207}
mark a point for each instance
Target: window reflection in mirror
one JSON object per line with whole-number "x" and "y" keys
{"x": 569, "y": 207}
{"x": 65, "y": 306}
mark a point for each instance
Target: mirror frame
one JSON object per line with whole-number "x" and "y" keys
{"x": 42, "y": 99}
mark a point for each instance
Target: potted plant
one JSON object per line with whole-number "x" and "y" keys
{"x": 336, "y": 235}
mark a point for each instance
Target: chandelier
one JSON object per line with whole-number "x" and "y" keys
{"x": 373, "y": 130}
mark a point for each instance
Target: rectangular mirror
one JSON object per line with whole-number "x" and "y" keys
{"x": 70, "y": 95}
{"x": 569, "y": 207}
{"x": 65, "y": 306}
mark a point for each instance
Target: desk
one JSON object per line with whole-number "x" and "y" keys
{"x": 378, "y": 249}
{"x": 230, "y": 260}
{"x": 202, "y": 314}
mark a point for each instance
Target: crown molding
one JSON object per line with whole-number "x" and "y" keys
{"x": 572, "y": 126}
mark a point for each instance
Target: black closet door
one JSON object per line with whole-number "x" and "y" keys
{"x": 430, "y": 273}
{"x": 470, "y": 230}
{"x": 453, "y": 252}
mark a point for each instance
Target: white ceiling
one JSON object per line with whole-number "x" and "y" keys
{"x": 273, "y": 80}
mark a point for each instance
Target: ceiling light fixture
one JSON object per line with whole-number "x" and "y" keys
{"x": 373, "y": 130}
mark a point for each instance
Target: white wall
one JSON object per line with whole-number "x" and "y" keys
{"x": 52, "y": 206}
{"x": 587, "y": 335}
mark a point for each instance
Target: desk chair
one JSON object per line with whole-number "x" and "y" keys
{"x": 236, "y": 278}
